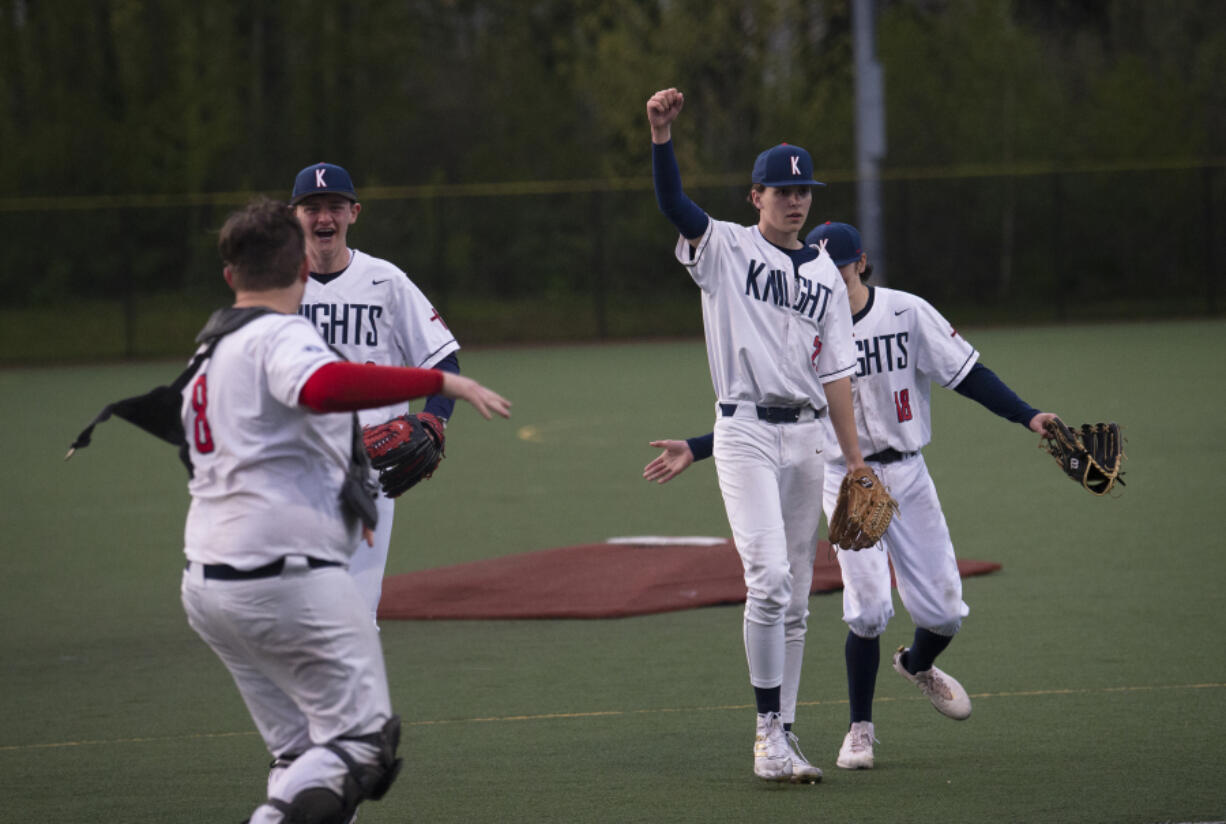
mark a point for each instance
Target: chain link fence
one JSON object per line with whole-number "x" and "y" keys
{"x": 135, "y": 277}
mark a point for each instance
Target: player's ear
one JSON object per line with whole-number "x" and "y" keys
{"x": 357, "y": 207}
{"x": 228, "y": 274}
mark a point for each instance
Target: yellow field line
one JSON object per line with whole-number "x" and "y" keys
{"x": 430, "y": 191}
{"x": 826, "y": 703}
{"x": 553, "y": 716}
{"x": 89, "y": 742}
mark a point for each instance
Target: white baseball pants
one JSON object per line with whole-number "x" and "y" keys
{"x": 917, "y": 543}
{"x": 770, "y": 475}
{"x": 368, "y": 563}
{"x": 306, "y": 659}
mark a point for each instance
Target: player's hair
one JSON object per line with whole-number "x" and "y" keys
{"x": 760, "y": 188}
{"x": 263, "y": 244}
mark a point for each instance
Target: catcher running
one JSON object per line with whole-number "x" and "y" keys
{"x": 265, "y": 419}
{"x": 904, "y": 346}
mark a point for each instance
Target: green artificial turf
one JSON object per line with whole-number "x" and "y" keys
{"x": 1092, "y": 657}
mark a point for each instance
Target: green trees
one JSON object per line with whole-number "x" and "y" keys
{"x": 130, "y": 126}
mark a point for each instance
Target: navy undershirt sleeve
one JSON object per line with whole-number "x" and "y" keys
{"x": 981, "y": 384}
{"x": 702, "y": 446}
{"x": 684, "y": 213}
{"x": 437, "y": 405}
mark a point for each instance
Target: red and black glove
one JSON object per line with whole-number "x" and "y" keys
{"x": 404, "y": 450}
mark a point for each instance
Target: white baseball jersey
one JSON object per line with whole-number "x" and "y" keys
{"x": 373, "y": 313}
{"x": 773, "y": 337}
{"x": 903, "y": 346}
{"x": 775, "y": 334}
{"x": 266, "y": 472}
{"x": 267, "y": 475}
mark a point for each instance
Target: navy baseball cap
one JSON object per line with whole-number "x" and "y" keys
{"x": 842, "y": 241}
{"x": 784, "y": 165}
{"x": 322, "y": 179}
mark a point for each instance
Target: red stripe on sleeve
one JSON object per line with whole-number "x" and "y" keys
{"x": 343, "y": 387}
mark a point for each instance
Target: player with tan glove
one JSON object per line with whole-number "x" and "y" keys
{"x": 904, "y": 346}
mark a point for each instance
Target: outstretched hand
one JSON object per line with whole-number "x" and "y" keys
{"x": 1039, "y": 421}
{"x": 674, "y": 460}
{"x": 486, "y": 401}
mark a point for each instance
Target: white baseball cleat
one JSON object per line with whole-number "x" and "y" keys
{"x": 857, "y": 750}
{"x": 942, "y": 689}
{"x": 772, "y": 757}
{"x": 802, "y": 771}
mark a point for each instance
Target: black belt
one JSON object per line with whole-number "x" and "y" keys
{"x": 771, "y": 414}
{"x": 225, "y": 572}
{"x": 887, "y": 456}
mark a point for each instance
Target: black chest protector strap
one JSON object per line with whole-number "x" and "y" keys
{"x": 158, "y": 412}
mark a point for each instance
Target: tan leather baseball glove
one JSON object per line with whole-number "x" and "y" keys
{"x": 863, "y": 511}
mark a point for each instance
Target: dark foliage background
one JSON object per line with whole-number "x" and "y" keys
{"x": 1046, "y": 158}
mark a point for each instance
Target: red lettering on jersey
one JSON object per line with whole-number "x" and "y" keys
{"x": 436, "y": 316}
{"x": 902, "y": 404}
{"x": 201, "y": 433}
{"x": 817, "y": 349}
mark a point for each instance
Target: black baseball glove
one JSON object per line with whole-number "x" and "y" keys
{"x": 404, "y": 450}
{"x": 1091, "y": 456}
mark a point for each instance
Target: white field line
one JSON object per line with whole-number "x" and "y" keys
{"x": 554, "y": 716}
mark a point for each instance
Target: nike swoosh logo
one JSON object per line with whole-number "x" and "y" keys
{"x": 377, "y": 282}
{"x": 898, "y": 312}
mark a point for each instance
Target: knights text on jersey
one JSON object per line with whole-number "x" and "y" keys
{"x": 267, "y": 472}
{"x": 373, "y": 313}
{"x": 775, "y": 334}
{"x": 903, "y": 347}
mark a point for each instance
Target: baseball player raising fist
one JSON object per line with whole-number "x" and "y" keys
{"x": 903, "y": 347}
{"x": 372, "y": 313}
{"x": 779, "y": 346}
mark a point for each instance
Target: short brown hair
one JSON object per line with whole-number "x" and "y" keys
{"x": 263, "y": 244}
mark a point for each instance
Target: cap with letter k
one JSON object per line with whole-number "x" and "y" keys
{"x": 784, "y": 165}
{"x": 322, "y": 179}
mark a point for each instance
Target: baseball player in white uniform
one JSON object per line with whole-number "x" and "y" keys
{"x": 903, "y": 346}
{"x": 779, "y": 348}
{"x": 372, "y": 313}
{"x": 268, "y": 536}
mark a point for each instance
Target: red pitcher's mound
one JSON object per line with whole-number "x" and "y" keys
{"x": 609, "y": 580}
